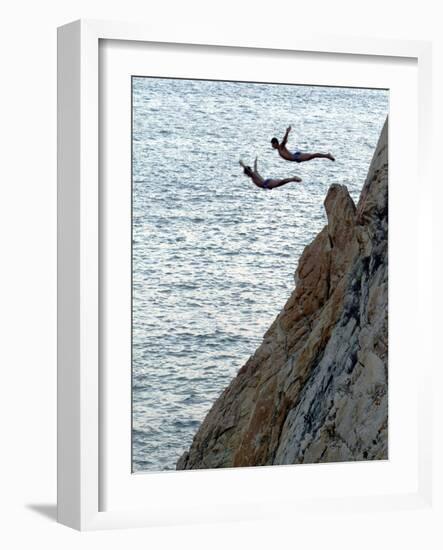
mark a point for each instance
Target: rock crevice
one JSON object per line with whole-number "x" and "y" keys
{"x": 316, "y": 388}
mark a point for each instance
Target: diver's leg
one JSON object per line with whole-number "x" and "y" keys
{"x": 303, "y": 157}
{"x": 278, "y": 183}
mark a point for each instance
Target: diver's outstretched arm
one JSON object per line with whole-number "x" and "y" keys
{"x": 256, "y": 168}
{"x": 285, "y": 137}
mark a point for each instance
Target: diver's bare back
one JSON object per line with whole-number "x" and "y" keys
{"x": 285, "y": 153}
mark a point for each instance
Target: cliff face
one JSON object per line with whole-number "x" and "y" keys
{"x": 316, "y": 388}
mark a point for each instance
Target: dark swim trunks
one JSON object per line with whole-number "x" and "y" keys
{"x": 266, "y": 184}
{"x": 296, "y": 156}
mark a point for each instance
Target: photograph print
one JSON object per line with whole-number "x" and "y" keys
{"x": 259, "y": 274}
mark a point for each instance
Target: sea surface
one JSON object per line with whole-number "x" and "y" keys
{"x": 213, "y": 255}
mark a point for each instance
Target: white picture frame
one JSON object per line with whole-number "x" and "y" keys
{"x": 80, "y": 430}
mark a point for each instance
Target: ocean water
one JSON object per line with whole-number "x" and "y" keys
{"x": 213, "y": 255}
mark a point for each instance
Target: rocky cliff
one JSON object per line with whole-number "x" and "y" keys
{"x": 316, "y": 388}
